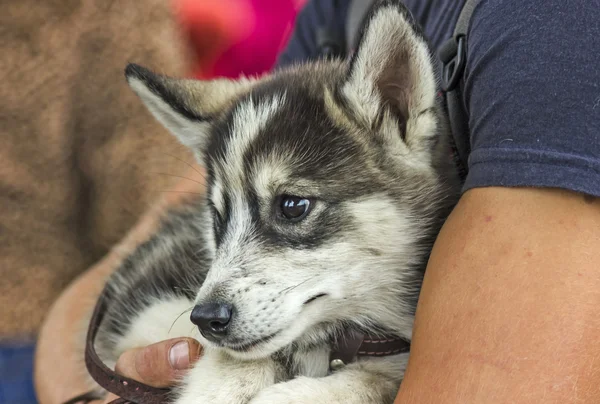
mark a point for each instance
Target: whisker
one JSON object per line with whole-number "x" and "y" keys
{"x": 299, "y": 284}
{"x": 183, "y": 192}
{"x": 179, "y": 176}
{"x": 179, "y": 316}
{"x": 185, "y": 162}
{"x": 186, "y": 289}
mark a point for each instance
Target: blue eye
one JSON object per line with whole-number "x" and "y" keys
{"x": 294, "y": 207}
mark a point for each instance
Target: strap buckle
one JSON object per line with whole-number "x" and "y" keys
{"x": 453, "y": 57}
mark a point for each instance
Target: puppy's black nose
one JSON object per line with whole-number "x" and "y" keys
{"x": 212, "y": 319}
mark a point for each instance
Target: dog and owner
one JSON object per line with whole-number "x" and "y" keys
{"x": 508, "y": 308}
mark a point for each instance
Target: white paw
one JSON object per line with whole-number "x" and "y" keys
{"x": 215, "y": 395}
{"x": 217, "y": 378}
{"x": 302, "y": 390}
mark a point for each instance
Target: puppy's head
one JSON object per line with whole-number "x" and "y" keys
{"x": 326, "y": 186}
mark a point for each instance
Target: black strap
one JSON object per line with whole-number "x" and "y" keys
{"x": 462, "y": 25}
{"x": 453, "y": 57}
{"x": 330, "y": 41}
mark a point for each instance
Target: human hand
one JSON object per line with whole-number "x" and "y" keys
{"x": 159, "y": 365}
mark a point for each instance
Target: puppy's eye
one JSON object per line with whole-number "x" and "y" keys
{"x": 295, "y": 207}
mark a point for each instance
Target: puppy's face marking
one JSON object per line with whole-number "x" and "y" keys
{"x": 324, "y": 187}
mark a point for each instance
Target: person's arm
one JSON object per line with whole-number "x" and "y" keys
{"x": 510, "y": 307}
{"x": 60, "y": 344}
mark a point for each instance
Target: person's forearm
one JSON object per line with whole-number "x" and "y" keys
{"x": 61, "y": 339}
{"x": 510, "y": 307}
{"x": 60, "y": 342}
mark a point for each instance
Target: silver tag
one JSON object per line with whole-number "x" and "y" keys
{"x": 336, "y": 364}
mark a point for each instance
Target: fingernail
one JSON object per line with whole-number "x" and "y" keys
{"x": 179, "y": 356}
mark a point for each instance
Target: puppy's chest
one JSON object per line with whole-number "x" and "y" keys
{"x": 310, "y": 363}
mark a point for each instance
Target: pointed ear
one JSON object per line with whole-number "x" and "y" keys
{"x": 185, "y": 107}
{"x": 391, "y": 75}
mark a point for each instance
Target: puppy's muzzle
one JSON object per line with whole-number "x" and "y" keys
{"x": 212, "y": 319}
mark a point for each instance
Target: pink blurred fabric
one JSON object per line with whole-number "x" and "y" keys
{"x": 233, "y": 37}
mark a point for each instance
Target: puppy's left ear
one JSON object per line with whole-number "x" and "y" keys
{"x": 391, "y": 85}
{"x": 186, "y": 107}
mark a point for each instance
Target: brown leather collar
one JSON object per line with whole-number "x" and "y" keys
{"x": 355, "y": 344}
{"x": 345, "y": 350}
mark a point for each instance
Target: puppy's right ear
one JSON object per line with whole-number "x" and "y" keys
{"x": 391, "y": 83}
{"x": 185, "y": 107}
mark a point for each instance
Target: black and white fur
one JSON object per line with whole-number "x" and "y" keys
{"x": 366, "y": 142}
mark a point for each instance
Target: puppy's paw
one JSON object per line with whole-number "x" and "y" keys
{"x": 218, "y": 378}
{"x": 302, "y": 390}
{"x": 211, "y": 395}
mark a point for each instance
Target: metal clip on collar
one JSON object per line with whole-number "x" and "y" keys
{"x": 453, "y": 57}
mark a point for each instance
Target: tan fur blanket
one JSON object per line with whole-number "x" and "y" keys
{"x": 80, "y": 158}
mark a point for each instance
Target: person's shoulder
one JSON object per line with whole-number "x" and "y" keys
{"x": 533, "y": 95}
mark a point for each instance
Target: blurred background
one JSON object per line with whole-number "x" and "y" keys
{"x": 79, "y": 154}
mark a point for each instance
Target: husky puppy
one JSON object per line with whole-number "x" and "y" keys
{"x": 327, "y": 184}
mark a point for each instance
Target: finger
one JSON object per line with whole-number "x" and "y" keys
{"x": 111, "y": 397}
{"x": 106, "y": 400}
{"x": 161, "y": 364}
